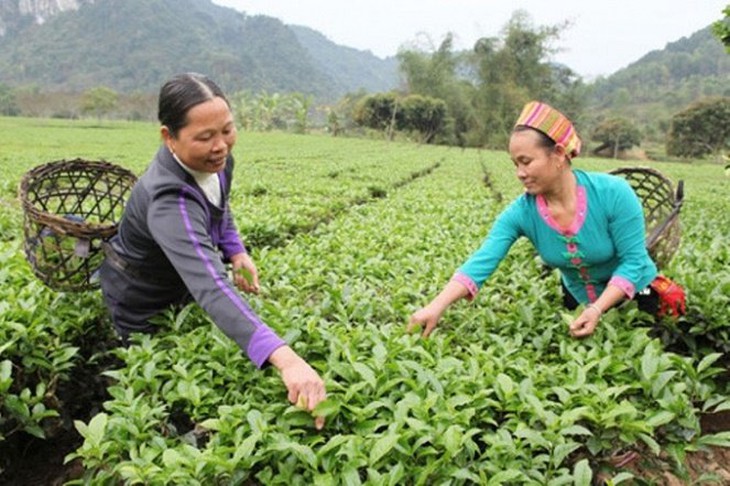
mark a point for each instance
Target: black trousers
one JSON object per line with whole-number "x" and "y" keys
{"x": 647, "y": 300}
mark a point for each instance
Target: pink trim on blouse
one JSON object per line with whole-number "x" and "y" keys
{"x": 578, "y": 219}
{"x": 591, "y": 293}
{"x": 468, "y": 283}
{"x": 572, "y": 230}
{"x": 628, "y": 288}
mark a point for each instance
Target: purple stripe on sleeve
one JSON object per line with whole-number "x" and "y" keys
{"x": 222, "y": 181}
{"x": 260, "y": 336}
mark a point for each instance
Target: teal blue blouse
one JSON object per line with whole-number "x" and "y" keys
{"x": 604, "y": 244}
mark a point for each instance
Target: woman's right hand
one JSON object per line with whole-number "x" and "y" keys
{"x": 427, "y": 317}
{"x": 245, "y": 275}
{"x": 306, "y": 388}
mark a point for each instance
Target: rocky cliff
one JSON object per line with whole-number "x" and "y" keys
{"x": 16, "y": 13}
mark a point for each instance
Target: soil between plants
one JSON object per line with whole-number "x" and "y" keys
{"x": 26, "y": 460}
{"x": 41, "y": 462}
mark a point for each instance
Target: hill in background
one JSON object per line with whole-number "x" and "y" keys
{"x": 350, "y": 68}
{"x": 134, "y": 45}
{"x": 665, "y": 81}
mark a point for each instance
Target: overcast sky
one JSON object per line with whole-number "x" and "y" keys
{"x": 606, "y": 35}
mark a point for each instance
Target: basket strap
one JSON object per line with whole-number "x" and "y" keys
{"x": 118, "y": 262}
{"x": 659, "y": 230}
{"x": 674, "y": 214}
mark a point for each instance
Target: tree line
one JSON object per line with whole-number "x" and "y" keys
{"x": 463, "y": 98}
{"x": 479, "y": 94}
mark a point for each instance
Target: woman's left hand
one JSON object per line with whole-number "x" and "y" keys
{"x": 585, "y": 324}
{"x": 245, "y": 275}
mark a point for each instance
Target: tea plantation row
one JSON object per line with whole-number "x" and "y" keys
{"x": 350, "y": 237}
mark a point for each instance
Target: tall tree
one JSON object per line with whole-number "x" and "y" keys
{"x": 485, "y": 89}
{"x": 721, "y": 28}
{"x": 435, "y": 74}
{"x": 616, "y": 134}
{"x": 513, "y": 70}
{"x": 701, "y": 129}
{"x": 99, "y": 101}
{"x": 430, "y": 74}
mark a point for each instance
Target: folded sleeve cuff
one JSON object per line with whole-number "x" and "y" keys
{"x": 468, "y": 283}
{"x": 232, "y": 248}
{"x": 628, "y": 288}
{"x": 263, "y": 342}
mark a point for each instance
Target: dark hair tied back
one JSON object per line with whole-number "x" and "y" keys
{"x": 181, "y": 93}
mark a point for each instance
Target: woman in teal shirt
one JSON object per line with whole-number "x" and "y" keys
{"x": 588, "y": 225}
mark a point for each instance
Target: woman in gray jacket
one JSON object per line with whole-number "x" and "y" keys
{"x": 177, "y": 233}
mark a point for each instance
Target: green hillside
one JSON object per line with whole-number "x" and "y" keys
{"x": 133, "y": 45}
{"x": 665, "y": 81}
{"x": 350, "y": 67}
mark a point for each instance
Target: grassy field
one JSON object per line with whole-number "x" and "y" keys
{"x": 350, "y": 237}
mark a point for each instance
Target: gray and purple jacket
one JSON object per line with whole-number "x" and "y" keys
{"x": 170, "y": 247}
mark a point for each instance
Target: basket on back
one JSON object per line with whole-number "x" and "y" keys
{"x": 70, "y": 208}
{"x": 661, "y": 210}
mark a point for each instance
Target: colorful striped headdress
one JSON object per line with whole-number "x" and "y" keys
{"x": 552, "y": 123}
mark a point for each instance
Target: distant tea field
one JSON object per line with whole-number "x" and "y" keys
{"x": 350, "y": 237}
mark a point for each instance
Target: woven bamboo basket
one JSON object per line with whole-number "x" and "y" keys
{"x": 661, "y": 205}
{"x": 70, "y": 207}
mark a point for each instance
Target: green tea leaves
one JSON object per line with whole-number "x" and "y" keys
{"x": 500, "y": 394}
{"x": 582, "y": 473}
{"x": 381, "y": 447}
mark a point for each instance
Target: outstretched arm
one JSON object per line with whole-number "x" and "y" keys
{"x": 430, "y": 315}
{"x": 469, "y": 278}
{"x": 178, "y": 223}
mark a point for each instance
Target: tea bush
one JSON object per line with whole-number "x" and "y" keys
{"x": 499, "y": 394}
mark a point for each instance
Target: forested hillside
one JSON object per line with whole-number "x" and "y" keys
{"x": 349, "y": 67}
{"x": 485, "y": 88}
{"x": 665, "y": 81}
{"x": 132, "y": 45}
{"x": 54, "y": 55}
